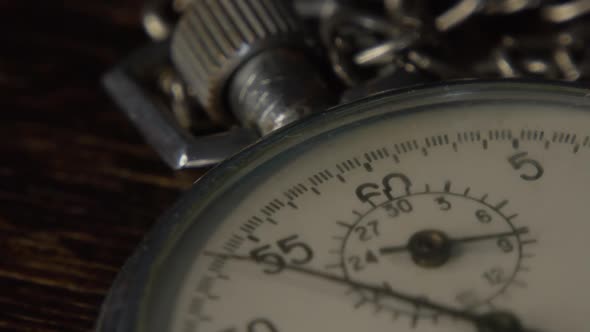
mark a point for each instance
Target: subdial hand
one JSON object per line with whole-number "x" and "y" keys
{"x": 405, "y": 247}
{"x": 432, "y": 248}
{"x": 475, "y": 238}
{"x": 490, "y": 322}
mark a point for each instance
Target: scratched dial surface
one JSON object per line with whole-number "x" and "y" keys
{"x": 316, "y": 236}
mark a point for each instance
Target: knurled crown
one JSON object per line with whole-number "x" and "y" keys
{"x": 214, "y": 37}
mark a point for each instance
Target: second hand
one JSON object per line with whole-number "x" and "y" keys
{"x": 483, "y": 323}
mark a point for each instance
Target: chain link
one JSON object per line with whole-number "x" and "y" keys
{"x": 370, "y": 39}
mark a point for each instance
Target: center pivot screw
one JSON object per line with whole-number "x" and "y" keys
{"x": 430, "y": 248}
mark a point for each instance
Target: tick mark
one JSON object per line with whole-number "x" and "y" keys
{"x": 253, "y": 238}
{"x": 447, "y": 186}
{"x": 483, "y": 198}
{"x": 512, "y": 216}
{"x": 526, "y": 242}
{"x": 515, "y": 143}
{"x": 500, "y": 205}
{"x": 522, "y": 230}
{"x": 343, "y": 224}
{"x": 247, "y": 228}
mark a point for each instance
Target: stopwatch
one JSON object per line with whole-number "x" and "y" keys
{"x": 448, "y": 207}
{"x": 421, "y": 210}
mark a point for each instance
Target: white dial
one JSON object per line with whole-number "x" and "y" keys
{"x": 463, "y": 207}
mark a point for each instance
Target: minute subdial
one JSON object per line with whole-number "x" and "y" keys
{"x": 440, "y": 238}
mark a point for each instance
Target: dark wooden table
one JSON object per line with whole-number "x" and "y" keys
{"x": 78, "y": 186}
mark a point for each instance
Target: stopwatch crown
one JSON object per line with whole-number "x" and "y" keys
{"x": 215, "y": 37}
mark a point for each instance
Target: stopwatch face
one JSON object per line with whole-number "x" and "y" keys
{"x": 452, "y": 208}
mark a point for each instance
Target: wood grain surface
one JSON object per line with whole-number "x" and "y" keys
{"x": 78, "y": 186}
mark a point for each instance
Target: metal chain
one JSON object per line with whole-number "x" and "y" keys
{"x": 370, "y": 39}
{"x": 371, "y": 45}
